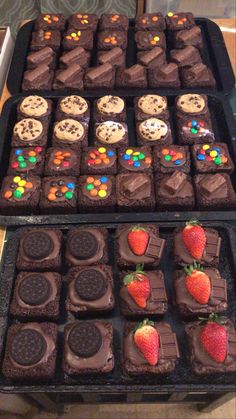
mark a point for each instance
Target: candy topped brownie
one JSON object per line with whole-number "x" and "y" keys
{"x": 174, "y": 192}
{"x": 179, "y": 21}
{"x": 194, "y": 130}
{"x": 70, "y": 78}
{"x": 111, "y": 133}
{"x": 83, "y": 21}
{"x": 114, "y": 21}
{"x": 134, "y": 76}
{"x": 109, "y": 108}
{"x": 77, "y": 55}
{"x": 185, "y": 57}
{"x": 59, "y": 195}
{"x": 192, "y": 104}
{"x": 151, "y": 105}
{"x": 62, "y": 162}
{"x": 153, "y": 131}
{"x": 153, "y": 58}
{"x": 74, "y": 38}
{"x": 135, "y": 192}
{"x": 31, "y": 350}
{"x": 75, "y": 107}
{"x": 40, "y": 78}
{"x": 146, "y": 40}
{"x": 110, "y": 38}
{"x": 46, "y": 38}
{"x": 88, "y": 348}
{"x": 34, "y": 106}
{"x": 29, "y": 160}
{"x": 149, "y": 348}
{"x": 115, "y": 57}
{"x": 150, "y": 21}
{"x": 199, "y": 75}
{"x": 44, "y": 56}
{"x": 70, "y": 133}
{"x": 99, "y": 160}
{"x": 138, "y": 244}
{"x": 171, "y": 158}
{"x": 214, "y": 191}
{"x": 96, "y": 193}
{"x": 50, "y": 21}
{"x": 135, "y": 159}
{"x": 90, "y": 289}
{"x": 167, "y": 75}
{"x": 212, "y": 158}
{"x": 185, "y": 37}
{"x": 29, "y": 132}
{"x": 100, "y": 77}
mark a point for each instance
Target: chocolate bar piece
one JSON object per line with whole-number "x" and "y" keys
{"x": 108, "y": 56}
{"x": 134, "y": 72}
{"x": 210, "y": 184}
{"x": 40, "y": 78}
{"x": 213, "y": 244}
{"x": 133, "y": 184}
{"x": 175, "y": 182}
{"x": 134, "y": 76}
{"x": 185, "y": 57}
{"x": 73, "y": 71}
{"x": 199, "y": 75}
{"x": 219, "y": 289}
{"x": 39, "y": 72}
{"x": 77, "y": 55}
{"x": 155, "y": 247}
{"x": 71, "y": 77}
{"x": 156, "y": 55}
{"x": 99, "y": 71}
{"x": 44, "y": 56}
{"x": 168, "y": 70}
{"x": 168, "y": 343}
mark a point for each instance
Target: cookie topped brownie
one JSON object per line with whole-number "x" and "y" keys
{"x": 111, "y": 133}
{"x": 75, "y": 107}
{"x": 29, "y": 132}
{"x": 153, "y": 131}
{"x": 151, "y": 105}
{"x": 70, "y": 132}
{"x": 192, "y": 104}
{"x": 109, "y": 108}
{"x": 34, "y": 106}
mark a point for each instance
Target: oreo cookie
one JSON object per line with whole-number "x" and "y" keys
{"x": 83, "y": 245}
{"x": 37, "y": 245}
{"x": 90, "y": 285}
{"x": 28, "y": 347}
{"x": 34, "y": 289}
{"x": 85, "y": 339}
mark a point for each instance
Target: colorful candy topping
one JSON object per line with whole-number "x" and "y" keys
{"x": 74, "y": 36}
{"x": 100, "y": 156}
{"x": 153, "y": 18}
{"x": 173, "y": 156}
{"x": 197, "y": 127}
{"x": 136, "y": 158}
{"x": 82, "y": 18}
{"x": 97, "y": 187}
{"x": 51, "y": 18}
{"x": 18, "y": 187}
{"x": 47, "y": 35}
{"x": 154, "y": 40}
{"x": 62, "y": 158}
{"x": 26, "y": 158}
{"x": 175, "y": 16}
{"x": 115, "y": 18}
{"x": 211, "y": 154}
{"x": 60, "y": 188}
{"x": 110, "y": 40}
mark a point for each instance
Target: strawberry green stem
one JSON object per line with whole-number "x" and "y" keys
{"x": 193, "y": 222}
{"x": 213, "y": 317}
{"x": 189, "y": 269}
{"x": 145, "y": 322}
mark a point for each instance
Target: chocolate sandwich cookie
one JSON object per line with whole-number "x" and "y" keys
{"x": 199, "y": 75}
{"x": 148, "y": 39}
{"x": 29, "y": 160}
{"x": 74, "y": 38}
{"x": 150, "y": 21}
{"x": 75, "y": 107}
{"x": 135, "y": 76}
{"x": 167, "y": 76}
{"x": 135, "y": 192}
{"x": 40, "y": 78}
{"x": 185, "y": 57}
{"x": 109, "y": 108}
{"x": 185, "y": 37}
{"x": 88, "y": 348}
{"x": 214, "y": 192}
{"x": 44, "y": 56}
{"x": 100, "y": 77}
{"x": 40, "y": 249}
{"x": 34, "y": 106}
{"x": 154, "y": 58}
{"x": 83, "y": 21}
{"x": 153, "y": 131}
{"x": 194, "y": 130}
{"x": 76, "y": 56}
{"x": 59, "y": 195}
{"x": 99, "y": 160}
{"x": 148, "y": 106}
{"x": 62, "y": 162}
{"x": 171, "y": 158}
{"x": 135, "y": 159}
{"x": 115, "y": 57}
{"x": 96, "y": 194}
{"x": 111, "y": 133}
{"x": 29, "y": 132}
{"x": 30, "y": 351}
{"x": 110, "y": 38}
{"x": 70, "y": 132}
{"x": 45, "y": 38}
{"x": 174, "y": 192}
{"x": 71, "y": 78}
{"x": 113, "y": 21}
{"x": 212, "y": 158}
{"x": 192, "y": 104}
{"x": 50, "y": 21}
{"x": 179, "y": 21}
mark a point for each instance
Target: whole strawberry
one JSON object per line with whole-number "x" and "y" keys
{"x": 147, "y": 340}
{"x": 197, "y": 283}
{"x": 194, "y": 238}
{"x": 138, "y": 238}
{"x": 138, "y": 286}
{"x": 213, "y": 338}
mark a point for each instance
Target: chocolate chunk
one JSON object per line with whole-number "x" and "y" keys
{"x": 72, "y": 71}
{"x": 213, "y": 244}
{"x": 158, "y": 289}
{"x": 175, "y": 182}
{"x": 100, "y": 71}
{"x": 40, "y": 71}
{"x": 232, "y": 343}
{"x": 39, "y": 56}
{"x": 78, "y": 52}
{"x": 135, "y": 183}
{"x": 37, "y": 245}
{"x": 210, "y": 184}
{"x": 28, "y": 347}
{"x": 168, "y": 345}
{"x": 168, "y": 71}
{"x": 196, "y": 71}
{"x": 184, "y": 54}
{"x": 111, "y": 55}
{"x": 34, "y": 289}
{"x": 219, "y": 289}
{"x": 90, "y": 285}
{"x": 85, "y": 339}
{"x": 155, "y": 247}
{"x": 134, "y": 73}
{"x": 185, "y": 35}
{"x": 83, "y": 245}
{"x": 151, "y": 55}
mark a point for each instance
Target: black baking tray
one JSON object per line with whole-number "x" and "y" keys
{"x": 214, "y": 55}
{"x": 182, "y": 379}
{"x": 223, "y": 126}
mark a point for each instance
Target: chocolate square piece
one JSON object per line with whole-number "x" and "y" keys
{"x": 135, "y": 192}
{"x": 50, "y": 21}
{"x": 179, "y": 21}
{"x": 90, "y": 289}
{"x": 194, "y": 130}
{"x": 115, "y": 57}
{"x": 70, "y": 79}
{"x": 185, "y": 57}
{"x": 86, "y": 246}
{"x": 111, "y": 38}
{"x": 40, "y": 78}
{"x": 59, "y": 195}
{"x": 192, "y": 104}
{"x": 34, "y": 106}
{"x": 83, "y": 21}
{"x": 31, "y": 350}
{"x": 214, "y": 192}
{"x": 187, "y": 37}
{"x": 127, "y": 258}
{"x": 171, "y": 158}
{"x": 111, "y": 133}
{"x": 214, "y": 158}
{"x": 45, "y": 56}
{"x": 36, "y": 295}
{"x": 29, "y": 160}
{"x": 174, "y": 192}
{"x": 70, "y": 132}
{"x": 74, "y": 107}
{"x": 150, "y": 21}
{"x": 135, "y": 159}
{"x": 74, "y": 38}
{"x": 109, "y": 108}
{"x": 76, "y": 56}
{"x": 148, "y": 106}
{"x": 99, "y": 160}
{"x": 45, "y": 38}
{"x": 62, "y": 162}
{"x": 166, "y": 75}
{"x": 88, "y": 348}
{"x": 101, "y": 77}
{"x": 96, "y": 194}
{"x": 199, "y": 75}
{"x": 29, "y": 132}
{"x": 134, "y": 76}
{"x": 156, "y": 57}
{"x": 148, "y": 39}
{"x": 113, "y": 21}
{"x": 153, "y": 131}
{"x": 189, "y": 306}
{"x": 39, "y": 250}
{"x": 134, "y": 362}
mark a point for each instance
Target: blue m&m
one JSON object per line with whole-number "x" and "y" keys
{"x": 135, "y": 158}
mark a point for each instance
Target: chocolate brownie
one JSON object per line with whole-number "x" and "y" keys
{"x": 194, "y": 130}
{"x": 214, "y": 192}
{"x": 70, "y": 133}
{"x": 113, "y": 21}
{"x": 69, "y": 79}
{"x": 192, "y": 104}
{"x": 156, "y": 302}
{"x": 115, "y": 57}
{"x": 148, "y": 39}
{"x": 76, "y": 56}
{"x": 111, "y": 133}
{"x": 179, "y": 21}
{"x": 86, "y": 246}
{"x": 34, "y": 106}
{"x": 75, "y": 107}
{"x": 201, "y": 362}
{"x": 39, "y": 250}
{"x": 110, "y": 38}
{"x": 109, "y": 108}
{"x": 135, "y": 159}
{"x": 36, "y": 295}
{"x": 151, "y": 105}
{"x": 20, "y": 194}
{"x": 149, "y": 21}
{"x": 29, "y": 132}
{"x": 29, "y": 160}
{"x": 210, "y": 256}
{"x": 40, "y": 78}
{"x": 45, "y": 38}
{"x": 74, "y": 38}
{"x": 124, "y": 254}
{"x": 199, "y": 75}
{"x": 188, "y": 305}
{"x": 172, "y": 158}
{"x": 166, "y": 76}
{"x": 30, "y": 353}
{"x": 135, "y": 76}
{"x": 101, "y": 77}
{"x": 135, "y": 192}
{"x": 58, "y": 195}
{"x": 90, "y": 289}
{"x": 62, "y": 162}
{"x": 153, "y": 131}
{"x": 44, "y": 56}
{"x": 153, "y": 58}
{"x": 99, "y": 160}
{"x": 185, "y": 37}
{"x": 96, "y": 194}
{"x": 174, "y": 192}
{"x": 88, "y": 348}
{"x": 214, "y": 158}
{"x": 134, "y": 362}
{"x": 185, "y": 57}
{"x": 47, "y": 21}
{"x": 83, "y": 21}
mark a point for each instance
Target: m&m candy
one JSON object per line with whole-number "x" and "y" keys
{"x": 18, "y": 187}
{"x": 26, "y": 158}
{"x": 97, "y": 186}
{"x": 211, "y": 153}
{"x": 100, "y": 157}
{"x": 60, "y": 188}
{"x": 173, "y": 156}
{"x": 137, "y": 159}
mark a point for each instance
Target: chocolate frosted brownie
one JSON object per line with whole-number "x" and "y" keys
{"x": 153, "y": 131}
{"x": 59, "y": 195}
{"x": 29, "y": 132}
{"x": 150, "y": 21}
{"x": 50, "y": 21}
{"x": 135, "y": 192}
{"x": 185, "y": 57}
{"x": 44, "y": 56}
{"x": 134, "y": 76}
{"x": 166, "y": 75}
{"x": 36, "y": 295}
{"x": 90, "y": 289}
{"x": 29, "y": 160}
{"x": 34, "y": 106}
{"x": 83, "y": 21}
{"x": 148, "y": 39}
{"x": 199, "y": 75}
{"x": 214, "y": 158}
{"x": 185, "y": 37}
{"x": 74, "y": 38}
{"x": 76, "y": 56}
{"x": 86, "y": 246}
{"x": 45, "y": 38}
{"x": 171, "y": 158}
{"x": 96, "y": 194}
{"x": 31, "y": 350}
{"x": 70, "y": 133}
{"x": 114, "y": 21}
{"x": 148, "y": 106}
{"x": 115, "y": 57}
{"x": 174, "y": 192}
{"x": 70, "y": 79}
{"x": 179, "y": 21}
{"x": 135, "y": 159}
{"x": 192, "y": 104}
{"x": 110, "y": 38}
{"x": 101, "y": 77}
{"x": 111, "y": 133}
{"x": 99, "y": 160}
{"x": 88, "y": 348}
{"x": 153, "y": 58}
{"x": 194, "y": 130}
{"x": 40, "y": 78}
{"x": 214, "y": 192}
{"x": 75, "y": 107}
{"x": 39, "y": 250}
{"x": 62, "y": 162}
{"x": 109, "y": 108}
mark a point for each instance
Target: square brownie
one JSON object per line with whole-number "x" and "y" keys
{"x": 199, "y": 75}
{"x": 74, "y": 38}
{"x": 194, "y": 130}
{"x": 135, "y": 192}
{"x": 29, "y": 132}
{"x": 214, "y": 192}
{"x": 171, "y": 158}
{"x": 88, "y": 348}
{"x": 47, "y": 21}
{"x": 115, "y": 57}
{"x": 201, "y": 362}
{"x": 135, "y": 363}
{"x": 74, "y": 107}
{"x": 31, "y": 350}
{"x": 97, "y": 194}
{"x": 179, "y": 21}
{"x": 59, "y": 195}
{"x": 46, "y": 38}
{"x": 44, "y": 56}
{"x": 146, "y": 40}
{"x": 167, "y": 75}
{"x": 150, "y": 21}
{"x": 185, "y": 57}
{"x": 192, "y": 104}
{"x": 156, "y": 302}
{"x": 70, "y": 133}
{"x": 135, "y": 159}
{"x": 36, "y": 107}
{"x": 90, "y": 289}
{"x": 40, "y": 78}
{"x": 135, "y": 76}
{"x": 83, "y": 21}
{"x": 185, "y": 37}
{"x": 77, "y": 56}
{"x": 110, "y": 38}
{"x": 20, "y": 195}
{"x": 111, "y": 133}
{"x": 99, "y": 160}
{"x": 101, "y": 77}
{"x": 109, "y": 108}
{"x": 151, "y": 105}
{"x": 153, "y": 131}
{"x": 36, "y": 295}
{"x": 86, "y": 246}
{"x": 113, "y": 21}
{"x": 125, "y": 253}
{"x": 174, "y": 192}
{"x": 28, "y": 160}
{"x": 62, "y": 162}
{"x": 214, "y": 158}
{"x": 190, "y": 306}
{"x": 70, "y": 78}
{"x": 153, "y": 58}
{"x": 39, "y": 250}
{"x": 211, "y": 253}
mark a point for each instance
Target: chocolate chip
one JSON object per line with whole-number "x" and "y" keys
{"x": 34, "y": 289}
{"x": 90, "y": 285}
{"x": 37, "y": 245}
{"x": 28, "y": 347}
{"x": 85, "y": 339}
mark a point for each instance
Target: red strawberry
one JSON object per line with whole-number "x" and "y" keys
{"x": 194, "y": 238}
{"x": 138, "y": 240}
{"x": 213, "y": 338}
{"x": 197, "y": 283}
{"x": 147, "y": 340}
{"x": 138, "y": 286}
